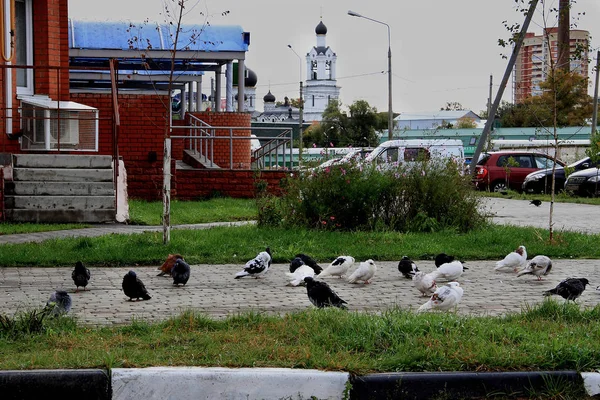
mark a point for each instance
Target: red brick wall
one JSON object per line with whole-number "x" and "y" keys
{"x": 195, "y": 184}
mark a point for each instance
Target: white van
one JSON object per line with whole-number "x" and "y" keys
{"x": 410, "y": 150}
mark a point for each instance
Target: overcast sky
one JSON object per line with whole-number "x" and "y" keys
{"x": 442, "y": 51}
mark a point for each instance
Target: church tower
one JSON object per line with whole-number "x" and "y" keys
{"x": 321, "y": 81}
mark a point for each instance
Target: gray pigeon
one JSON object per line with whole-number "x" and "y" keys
{"x": 59, "y": 303}
{"x": 569, "y": 289}
{"x": 81, "y": 275}
{"x": 180, "y": 272}
{"x": 321, "y": 295}
{"x": 134, "y": 288}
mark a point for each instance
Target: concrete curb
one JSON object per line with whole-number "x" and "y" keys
{"x": 89, "y": 384}
{"x": 278, "y": 383}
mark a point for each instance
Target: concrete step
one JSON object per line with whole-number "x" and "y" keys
{"x": 63, "y": 175}
{"x": 197, "y": 160}
{"x": 61, "y": 216}
{"x": 60, "y": 202}
{"x": 61, "y": 161}
{"x": 21, "y": 188}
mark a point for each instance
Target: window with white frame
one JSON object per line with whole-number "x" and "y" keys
{"x": 24, "y": 46}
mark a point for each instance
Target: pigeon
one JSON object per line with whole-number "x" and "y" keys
{"x": 180, "y": 272}
{"x": 365, "y": 272}
{"x": 308, "y": 261}
{"x": 569, "y": 289}
{"x": 536, "y": 203}
{"x": 134, "y": 288}
{"x": 538, "y": 266}
{"x": 448, "y": 272}
{"x": 59, "y": 303}
{"x": 81, "y": 276}
{"x": 424, "y": 283}
{"x": 321, "y": 295}
{"x": 296, "y": 263}
{"x": 167, "y": 266}
{"x": 338, "y": 267}
{"x": 444, "y": 298}
{"x": 258, "y": 266}
{"x": 297, "y": 277}
{"x": 513, "y": 260}
{"x": 443, "y": 258}
{"x": 407, "y": 267}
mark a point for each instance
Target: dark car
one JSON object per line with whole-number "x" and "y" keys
{"x": 584, "y": 183}
{"x": 541, "y": 181}
{"x": 500, "y": 170}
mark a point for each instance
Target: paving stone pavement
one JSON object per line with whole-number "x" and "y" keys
{"x": 213, "y": 291}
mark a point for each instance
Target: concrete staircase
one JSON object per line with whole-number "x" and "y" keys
{"x": 197, "y": 160}
{"x": 60, "y": 188}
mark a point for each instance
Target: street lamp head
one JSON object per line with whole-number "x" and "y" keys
{"x": 354, "y": 14}
{"x": 290, "y": 46}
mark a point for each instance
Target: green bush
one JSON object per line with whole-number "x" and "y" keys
{"x": 420, "y": 197}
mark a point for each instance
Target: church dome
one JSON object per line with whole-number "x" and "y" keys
{"x": 251, "y": 79}
{"x": 269, "y": 98}
{"x": 321, "y": 29}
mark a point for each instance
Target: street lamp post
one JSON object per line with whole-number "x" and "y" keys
{"x": 300, "y": 109}
{"x": 390, "y": 111}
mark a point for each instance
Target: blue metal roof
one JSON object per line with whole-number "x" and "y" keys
{"x": 128, "y": 35}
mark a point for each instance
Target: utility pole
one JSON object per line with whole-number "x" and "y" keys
{"x": 564, "y": 47}
{"x": 489, "y": 108}
{"x": 301, "y": 120}
{"x": 513, "y": 58}
{"x": 595, "y": 112}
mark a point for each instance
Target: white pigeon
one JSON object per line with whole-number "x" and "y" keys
{"x": 538, "y": 266}
{"x": 258, "y": 266}
{"x": 365, "y": 272}
{"x": 424, "y": 283}
{"x": 448, "y": 272}
{"x": 297, "y": 277}
{"x": 444, "y": 298}
{"x": 338, "y": 267}
{"x": 513, "y": 260}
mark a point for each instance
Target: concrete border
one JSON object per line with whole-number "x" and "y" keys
{"x": 64, "y": 384}
{"x": 182, "y": 383}
{"x": 424, "y": 385}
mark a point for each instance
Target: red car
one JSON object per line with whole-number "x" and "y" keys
{"x": 500, "y": 170}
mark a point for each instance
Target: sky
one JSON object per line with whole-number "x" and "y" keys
{"x": 442, "y": 51}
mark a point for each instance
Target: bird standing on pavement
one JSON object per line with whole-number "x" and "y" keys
{"x": 538, "y": 266}
{"x": 59, "y": 303}
{"x": 297, "y": 277}
{"x": 167, "y": 266}
{"x": 444, "y": 298}
{"x": 443, "y": 258}
{"x": 425, "y": 283}
{"x": 513, "y": 260}
{"x": 407, "y": 267}
{"x": 81, "y": 276}
{"x": 569, "y": 289}
{"x": 365, "y": 272}
{"x": 258, "y": 266}
{"x": 448, "y": 272}
{"x": 321, "y": 295}
{"x": 308, "y": 261}
{"x": 338, "y": 267}
{"x": 180, "y": 272}
{"x": 536, "y": 202}
{"x": 134, "y": 288}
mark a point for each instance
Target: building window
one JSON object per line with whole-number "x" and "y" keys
{"x": 24, "y": 46}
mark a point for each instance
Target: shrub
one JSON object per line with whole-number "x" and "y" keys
{"x": 420, "y": 197}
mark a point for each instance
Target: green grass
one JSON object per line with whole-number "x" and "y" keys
{"x": 231, "y": 244}
{"x": 9, "y": 228}
{"x": 192, "y": 212}
{"x": 561, "y": 197}
{"x": 550, "y": 336}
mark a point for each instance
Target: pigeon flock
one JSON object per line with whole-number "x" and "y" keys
{"x": 305, "y": 271}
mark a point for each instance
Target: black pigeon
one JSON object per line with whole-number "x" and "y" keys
{"x": 321, "y": 295}
{"x": 59, "y": 303}
{"x": 295, "y": 264}
{"x": 407, "y": 267}
{"x": 180, "y": 272}
{"x": 134, "y": 288}
{"x": 569, "y": 289}
{"x": 81, "y": 275}
{"x": 310, "y": 262}
{"x": 444, "y": 258}
{"x": 536, "y": 203}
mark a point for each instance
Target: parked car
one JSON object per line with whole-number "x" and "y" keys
{"x": 501, "y": 170}
{"x": 352, "y": 155}
{"x": 412, "y": 150}
{"x": 541, "y": 181}
{"x": 584, "y": 183}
